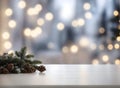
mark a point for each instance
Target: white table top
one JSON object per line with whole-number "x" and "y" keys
{"x": 65, "y": 75}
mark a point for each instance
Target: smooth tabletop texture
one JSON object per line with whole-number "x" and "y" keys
{"x": 65, "y": 75}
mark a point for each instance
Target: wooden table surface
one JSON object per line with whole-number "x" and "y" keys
{"x": 63, "y": 76}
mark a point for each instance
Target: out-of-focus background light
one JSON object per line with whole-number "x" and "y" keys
{"x": 71, "y": 32}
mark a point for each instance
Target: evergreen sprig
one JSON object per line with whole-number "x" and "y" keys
{"x": 19, "y": 62}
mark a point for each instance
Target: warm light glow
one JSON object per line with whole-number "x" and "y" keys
{"x": 74, "y": 23}
{"x": 11, "y": 51}
{"x": 116, "y": 46}
{"x": 81, "y": 22}
{"x": 60, "y": 26}
{"x": 21, "y": 4}
{"x": 115, "y": 13}
{"x": 38, "y": 7}
{"x": 101, "y": 47}
{"x": 32, "y": 11}
{"x": 105, "y": 58}
{"x": 101, "y": 30}
{"x": 117, "y": 62}
{"x": 95, "y": 62}
{"x": 93, "y": 46}
{"x": 65, "y": 49}
{"x": 8, "y": 12}
{"x": 84, "y": 42}
{"x": 5, "y": 35}
{"x": 40, "y": 21}
{"x": 86, "y": 6}
{"x": 88, "y": 15}
{"x": 36, "y": 32}
{"x": 12, "y": 23}
{"x": 110, "y": 47}
{"x": 118, "y": 38}
{"x": 49, "y": 16}
{"x": 7, "y": 45}
{"x": 74, "y": 49}
{"x": 27, "y": 32}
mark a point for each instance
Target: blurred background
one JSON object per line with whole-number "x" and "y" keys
{"x": 62, "y": 31}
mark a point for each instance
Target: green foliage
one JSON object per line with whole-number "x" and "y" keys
{"x": 18, "y": 59}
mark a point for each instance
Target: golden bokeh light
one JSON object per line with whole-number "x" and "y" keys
{"x": 86, "y": 6}
{"x": 74, "y": 49}
{"x": 27, "y": 32}
{"x": 84, "y": 42}
{"x": 95, "y": 62}
{"x": 105, "y": 58}
{"x": 49, "y": 16}
{"x": 7, "y": 45}
{"x": 21, "y": 4}
{"x": 36, "y": 32}
{"x": 8, "y": 12}
{"x": 116, "y": 46}
{"x": 81, "y": 22}
{"x": 74, "y": 23}
{"x": 40, "y": 21}
{"x": 12, "y": 23}
{"x": 38, "y": 7}
{"x": 115, "y": 13}
{"x": 110, "y": 46}
{"x": 60, "y": 26}
{"x": 5, "y": 35}
{"x": 88, "y": 15}
{"x": 118, "y": 38}
{"x": 117, "y": 62}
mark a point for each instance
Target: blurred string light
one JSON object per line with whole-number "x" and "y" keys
{"x": 86, "y": 6}
{"x": 78, "y": 22}
{"x": 7, "y": 45}
{"x": 118, "y": 38}
{"x": 12, "y": 23}
{"x": 74, "y": 49}
{"x": 65, "y": 49}
{"x": 38, "y": 7}
{"x": 110, "y": 46}
{"x": 34, "y": 11}
{"x": 84, "y": 42}
{"x": 27, "y": 32}
{"x": 8, "y": 12}
{"x": 117, "y": 62}
{"x": 95, "y": 61}
{"x": 33, "y": 33}
{"x": 36, "y": 32}
{"x": 74, "y": 23}
{"x": 101, "y": 30}
{"x": 81, "y": 22}
{"x": 21, "y": 4}
{"x": 105, "y": 58}
{"x": 5, "y": 35}
{"x": 40, "y": 21}
{"x": 11, "y": 51}
{"x": 88, "y": 15}
{"x": 115, "y": 13}
{"x": 60, "y": 26}
{"x": 116, "y": 46}
{"x": 49, "y": 16}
